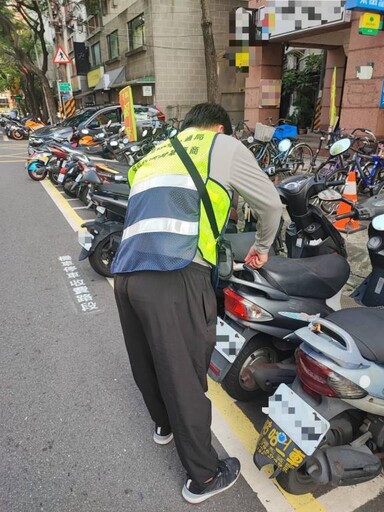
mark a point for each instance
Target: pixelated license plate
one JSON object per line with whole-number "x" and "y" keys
{"x": 292, "y": 431}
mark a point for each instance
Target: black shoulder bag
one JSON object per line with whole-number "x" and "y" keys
{"x": 224, "y": 251}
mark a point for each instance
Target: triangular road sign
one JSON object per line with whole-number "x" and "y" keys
{"x": 61, "y": 57}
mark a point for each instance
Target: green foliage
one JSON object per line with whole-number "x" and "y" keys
{"x": 303, "y": 85}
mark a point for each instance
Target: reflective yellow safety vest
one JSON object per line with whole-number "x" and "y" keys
{"x": 166, "y": 222}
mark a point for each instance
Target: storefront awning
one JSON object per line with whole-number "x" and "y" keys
{"x": 82, "y": 94}
{"x": 109, "y": 78}
{"x": 144, "y": 80}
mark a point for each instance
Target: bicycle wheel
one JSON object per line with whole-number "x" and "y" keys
{"x": 261, "y": 153}
{"x": 378, "y": 177}
{"x": 330, "y": 207}
{"x": 299, "y": 158}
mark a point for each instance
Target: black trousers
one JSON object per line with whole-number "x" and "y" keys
{"x": 169, "y": 325}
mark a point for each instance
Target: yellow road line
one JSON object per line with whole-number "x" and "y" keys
{"x": 244, "y": 430}
{"x": 241, "y": 426}
{"x": 10, "y": 161}
{"x": 70, "y": 215}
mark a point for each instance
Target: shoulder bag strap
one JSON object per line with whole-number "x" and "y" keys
{"x": 199, "y": 183}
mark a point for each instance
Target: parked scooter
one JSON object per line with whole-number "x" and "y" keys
{"x": 310, "y": 231}
{"x": 328, "y": 428}
{"x": 16, "y": 130}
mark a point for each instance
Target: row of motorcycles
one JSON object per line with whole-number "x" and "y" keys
{"x": 284, "y": 335}
{"x": 280, "y": 330}
{"x": 19, "y": 128}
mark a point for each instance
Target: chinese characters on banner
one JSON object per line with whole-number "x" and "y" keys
{"x": 126, "y": 103}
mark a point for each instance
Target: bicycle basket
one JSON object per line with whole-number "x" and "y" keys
{"x": 263, "y": 132}
{"x": 285, "y": 130}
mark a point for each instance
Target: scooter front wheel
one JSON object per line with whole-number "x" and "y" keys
{"x": 259, "y": 350}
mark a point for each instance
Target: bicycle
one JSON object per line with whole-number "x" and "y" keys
{"x": 243, "y": 133}
{"x": 278, "y": 154}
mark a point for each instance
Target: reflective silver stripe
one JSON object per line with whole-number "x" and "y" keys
{"x": 168, "y": 180}
{"x": 161, "y": 225}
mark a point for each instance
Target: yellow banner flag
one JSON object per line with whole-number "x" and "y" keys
{"x": 126, "y": 103}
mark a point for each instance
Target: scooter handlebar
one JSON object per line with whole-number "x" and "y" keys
{"x": 334, "y": 183}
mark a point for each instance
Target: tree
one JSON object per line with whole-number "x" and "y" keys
{"x": 15, "y": 35}
{"x": 213, "y": 92}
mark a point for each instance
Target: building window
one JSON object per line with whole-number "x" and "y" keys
{"x": 113, "y": 44}
{"x": 96, "y": 54}
{"x": 93, "y": 24}
{"x": 136, "y": 32}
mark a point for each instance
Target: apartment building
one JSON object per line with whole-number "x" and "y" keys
{"x": 334, "y": 27}
{"x": 156, "y": 46}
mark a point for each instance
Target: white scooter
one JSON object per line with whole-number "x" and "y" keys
{"x": 328, "y": 427}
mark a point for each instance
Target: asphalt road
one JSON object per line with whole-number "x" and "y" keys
{"x": 74, "y": 433}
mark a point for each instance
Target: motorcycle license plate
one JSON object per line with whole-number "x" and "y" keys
{"x": 292, "y": 431}
{"x": 85, "y": 239}
{"x": 61, "y": 178}
{"x": 228, "y": 341}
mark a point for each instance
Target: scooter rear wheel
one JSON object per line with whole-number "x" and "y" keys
{"x": 259, "y": 349}
{"x": 296, "y": 481}
{"x": 37, "y": 174}
{"x": 67, "y": 188}
{"x": 53, "y": 175}
{"x": 102, "y": 257}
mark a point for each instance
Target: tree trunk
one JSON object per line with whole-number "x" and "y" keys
{"x": 213, "y": 92}
{"x": 49, "y": 99}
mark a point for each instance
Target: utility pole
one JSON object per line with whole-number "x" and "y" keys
{"x": 213, "y": 92}
{"x": 56, "y": 12}
{"x": 55, "y": 17}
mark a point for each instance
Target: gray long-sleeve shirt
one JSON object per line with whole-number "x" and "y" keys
{"x": 235, "y": 167}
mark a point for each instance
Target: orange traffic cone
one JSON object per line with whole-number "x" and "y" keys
{"x": 350, "y": 192}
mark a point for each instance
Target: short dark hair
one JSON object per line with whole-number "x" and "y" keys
{"x": 206, "y": 115}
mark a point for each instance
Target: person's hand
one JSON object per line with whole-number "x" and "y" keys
{"x": 254, "y": 259}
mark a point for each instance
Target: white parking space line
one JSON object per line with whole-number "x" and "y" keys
{"x": 80, "y": 207}
{"x": 348, "y": 499}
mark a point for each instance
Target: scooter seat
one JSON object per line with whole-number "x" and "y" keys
{"x": 114, "y": 189}
{"x": 114, "y": 166}
{"x": 365, "y": 325}
{"x": 320, "y": 277}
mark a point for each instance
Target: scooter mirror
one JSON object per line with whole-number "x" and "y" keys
{"x": 173, "y": 133}
{"x": 125, "y": 140}
{"x": 154, "y": 131}
{"x": 113, "y": 143}
{"x": 284, "y": 145}
{"x": 329, "y": 195}
{"x": 122, "y": 129}
{"x": 145, "y": 133}
{"x": 135, "y": 149}
{"x": 109, "y": 123}
{"x": 378, "y": 223}
{"x": 84, "y": 131}
{"x": 339, "y": 147}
